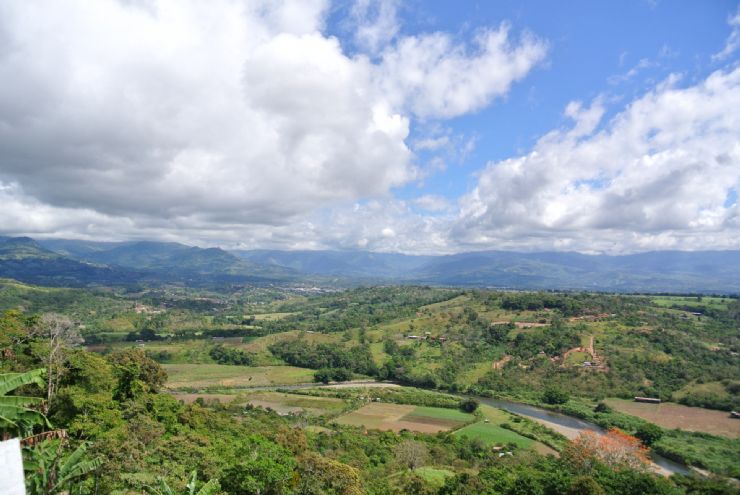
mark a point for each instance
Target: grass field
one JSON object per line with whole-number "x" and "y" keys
{"x": 433, "y": 475}
{"x": 492, "y": 434}
{"x": 397, "y": 417}
{"x": 577, "y": 358}
{"x": 283, "y": 403}
{"x": 272, "y": 316}
{"x": 669, "y": 415}
{"x": 705, "y": 302}
{"x": 260, "y": 344}
{"x": 198, "y": 376}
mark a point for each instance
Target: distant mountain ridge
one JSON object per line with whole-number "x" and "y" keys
{"x": 79, "y": 263}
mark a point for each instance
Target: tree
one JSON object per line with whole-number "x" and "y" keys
{"x": 320, "y": 475}
{"x": 56, "y": 334}
{"x": 555, "y": 396}
{"x": 259, "y": 467}
{"x": 585, "y": 485}
{"x": 324, "y": 375}
{"x": 411, "y": 453}
{"x": 14, "y": 327}
{"x": 136, "y": 373}
{"x": 469, "y": 405}
{"x": 649, "y": 433}
{"x": 17, "y": 415}
{"x": 615, "y": 449}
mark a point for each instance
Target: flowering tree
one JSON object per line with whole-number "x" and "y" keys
{"x": 614, "y": 448}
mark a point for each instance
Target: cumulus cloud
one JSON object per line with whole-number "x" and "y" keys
{"x": 180, "y": 118}
{"x": 655, "y": 176}
{"x": 432, "y": 76}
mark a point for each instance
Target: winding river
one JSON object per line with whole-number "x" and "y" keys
{"x": 568, "y": 426}
{"x": 571, "y": 427}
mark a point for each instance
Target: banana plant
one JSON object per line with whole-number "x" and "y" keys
{"x": 16, "y": 412}
{"x": 210, "y": 488}
{"x": 49, "y": 473}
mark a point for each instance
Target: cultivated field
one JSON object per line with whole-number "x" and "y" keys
{"x": 669, "y": 415}
{"x": 397, "y": 417}
{"x": 190, "y": 398}
{"x": 493, "y": 434}
{"x": 198, "y": 376}
{"x": 290, "y": 403}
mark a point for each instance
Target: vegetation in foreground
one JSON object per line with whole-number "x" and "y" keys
{"x": 108, "y": 414}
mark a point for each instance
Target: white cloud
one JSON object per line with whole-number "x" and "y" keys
{"x": 656, "y": 176}
{"x": 733, "y": 41}
{"x": 180, "y": 119}
{"x": 433, "y": 77}
{"x": 433, "y": 203}
{"x": 376, "y": 23}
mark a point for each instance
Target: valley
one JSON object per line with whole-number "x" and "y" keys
{"x": 400, "y": 359}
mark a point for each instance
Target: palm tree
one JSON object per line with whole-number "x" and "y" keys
{"x": 210, "y": 488}
{"x": 16, "y": 413}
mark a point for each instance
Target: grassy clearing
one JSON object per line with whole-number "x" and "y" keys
{"x": 491, "y": 434}
{"x": 261, "y": 344}
{"x": 577, "y": 358}
{"x": 670, "y": 415}
{"x": 201, "y": 376}
{"x": 697, "y": 302}
{"x": 444, "y": 305}
{"x": 433, "y": 475}
{"x": 272, "y": 316}
{"x": 442, "y": 413}
{"x": 397, "y": 417}
{"x": 545, "y": 440}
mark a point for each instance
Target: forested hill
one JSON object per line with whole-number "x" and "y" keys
{"x": 79, "y": 263}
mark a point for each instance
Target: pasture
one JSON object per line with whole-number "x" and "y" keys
{"x": 201, "y": 376}
{"x": 691, "y": 301}
{"x": 397, "y": 417}
{"x": 670, "y": 415}
{"x": 434, "y": 475}
{"x": 491, "y": 434}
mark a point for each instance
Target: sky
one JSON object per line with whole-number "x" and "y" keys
{"x": 421, "y": 127}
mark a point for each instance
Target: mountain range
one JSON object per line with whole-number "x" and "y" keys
{"x": 75, "y": 263}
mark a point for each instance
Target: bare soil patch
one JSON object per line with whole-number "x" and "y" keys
{"x": 669, "y": 415}
{"x": 396, "y": 417}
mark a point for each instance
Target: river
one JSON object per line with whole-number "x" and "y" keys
{"x": 571, "y": 427}
{"x": 568, "y": 426}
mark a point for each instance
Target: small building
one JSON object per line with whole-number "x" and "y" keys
{"x": 649, "y": 400}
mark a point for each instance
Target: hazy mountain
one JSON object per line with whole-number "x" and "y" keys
{"x": 166, "y": 256}
{"x": 60, "y": 262}
{"x": 339, "y": 263}
{"x": 78, "y": 263}
{"x": 669, "y": 271}
{"x": 663, "y": 271}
